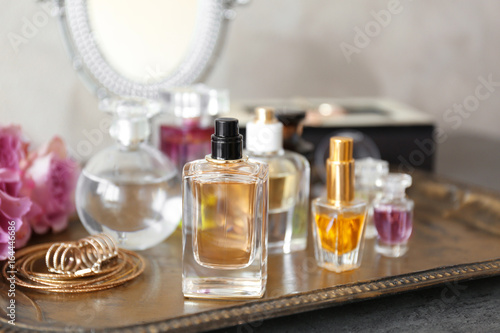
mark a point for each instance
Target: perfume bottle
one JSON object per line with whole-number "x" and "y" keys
{"x": 339, "y": 219}
{"x": 367, "y": 171}
{"x": 186, "y": 126}
{"x": 292, "y": 132}
{"x": 225, "y": 202}
{"x": 130, "y": 190}
{"x": 289, "y": 174}
{"x": 393, "y": 215}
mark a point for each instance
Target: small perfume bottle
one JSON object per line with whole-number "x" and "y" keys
{"x": 225, "y": 201}
{"x": 339, "y": 219}
{"x": 289, "y": 174}
{"x": 393, "y": 215}
{"x": 130, "y": 190}
{"x": 367, "y": 171}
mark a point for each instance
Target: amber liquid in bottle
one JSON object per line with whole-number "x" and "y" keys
{"x": 224, "y": 235}
{"x": 285, "y": 187}
{"x": 340, "y": 234}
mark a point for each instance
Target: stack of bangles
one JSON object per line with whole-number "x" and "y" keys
{"x": 90, "y": 264}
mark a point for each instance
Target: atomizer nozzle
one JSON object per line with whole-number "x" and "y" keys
{"x": 340, "y": 170}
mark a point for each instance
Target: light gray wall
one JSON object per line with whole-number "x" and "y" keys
{"x": 430, "y": 54}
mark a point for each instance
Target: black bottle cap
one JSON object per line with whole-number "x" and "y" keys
{"x": 290, "y": 117}
{"x": 227, "y": 142}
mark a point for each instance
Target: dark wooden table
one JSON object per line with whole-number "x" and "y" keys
{"x": 466, "y": 306}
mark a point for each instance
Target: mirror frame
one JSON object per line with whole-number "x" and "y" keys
{"x": 102, "y": 79}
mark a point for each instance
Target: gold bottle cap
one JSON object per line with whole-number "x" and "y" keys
{"x": 340, "y": 170}
{"x": 265, "y": 115}
{"x": 340, "y": 149}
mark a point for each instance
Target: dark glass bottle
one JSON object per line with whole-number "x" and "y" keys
{"x": 292, "y": 132}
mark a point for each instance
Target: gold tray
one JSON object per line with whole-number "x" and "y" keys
{"x": 456, "y": 237}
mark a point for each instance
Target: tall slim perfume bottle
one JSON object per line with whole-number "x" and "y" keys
{"x": 289, "y": 174}
{"x": 367, "y": 171}
{"x": 393, "y": 215}
{"x": 339, "y": 219}
{"x": 225, "y": 202}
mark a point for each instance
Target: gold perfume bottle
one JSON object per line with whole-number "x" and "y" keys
{"x": 289, "y": 175}
{"x": 339, "y": 219}
{"x": 225, "y": 202}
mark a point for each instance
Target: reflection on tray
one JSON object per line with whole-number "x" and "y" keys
{"x": 478, "y": 210}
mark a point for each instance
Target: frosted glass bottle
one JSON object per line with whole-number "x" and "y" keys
{"x": 366, "y": 172}
{"x": 225, "y": 198}
{"x": 289, "y": 177}
{"x": 130, "y": 190}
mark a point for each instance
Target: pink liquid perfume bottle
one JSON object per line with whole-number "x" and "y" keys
{"x": 185, "y": 142}
{"x": 185, "y": 133}
{"x": 393, "y": 215}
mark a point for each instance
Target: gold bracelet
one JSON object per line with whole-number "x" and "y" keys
{"x": 91, "y": 264}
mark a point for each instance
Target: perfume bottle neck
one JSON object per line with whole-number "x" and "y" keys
{"x": 130, "y": 132}
{"x": 220, "y": 162}
{"x": 395, "y": 194}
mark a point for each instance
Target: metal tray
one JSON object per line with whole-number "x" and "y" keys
{"x": 456, "y": 237}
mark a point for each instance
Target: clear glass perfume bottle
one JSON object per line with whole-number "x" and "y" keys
{"x": 130, "y": 190}
{"x": 367, "y": 171}
{"x": 339, "y": 219}
{"x": 393, "y": 215}
{"x": 289, "y": 175}
{"x": 225, "y": 202}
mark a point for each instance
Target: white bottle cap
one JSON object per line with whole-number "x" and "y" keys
{"x": 368, "y": 170}
{"x": 394, "y": 183}
{"x": 265, "y": 133}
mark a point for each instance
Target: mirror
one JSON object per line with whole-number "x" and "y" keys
{"x": 145, "y": 51}
{"x": 138, "y": 47}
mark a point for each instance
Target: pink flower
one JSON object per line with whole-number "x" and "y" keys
{"x": 12, "y": 210}
{"x": 13, "y": 206}
{"x": 53, "y": 179}
{"x": 13, "y": 147}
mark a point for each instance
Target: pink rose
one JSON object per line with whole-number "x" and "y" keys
{"x": 13, "y": 206}
{"x": 12, "y": 210}
{"x": 53, "y": 179}
{"x": 13, "y": 147}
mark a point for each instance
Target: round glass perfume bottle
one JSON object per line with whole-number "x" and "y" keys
{"x": 130, "y": 190}
{"x": 393, "y": 215}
